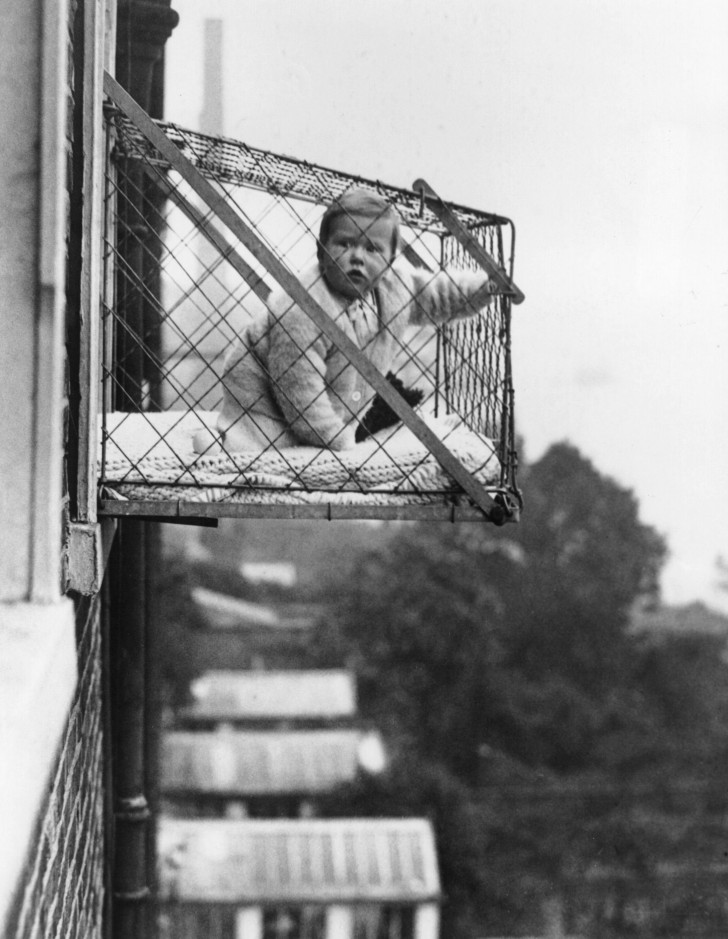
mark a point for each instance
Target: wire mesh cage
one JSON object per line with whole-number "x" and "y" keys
{"x": 221, "y": 396}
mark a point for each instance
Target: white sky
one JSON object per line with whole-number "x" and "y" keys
{"x": 601, "y": 128}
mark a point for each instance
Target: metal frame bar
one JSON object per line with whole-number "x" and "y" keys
{"x": 179, "y": 510}
{"x": 471, "y": 245}
{"x": 293, "y": 287}
{"x": 93, "y": 142}
{"x": 252, "y": 168}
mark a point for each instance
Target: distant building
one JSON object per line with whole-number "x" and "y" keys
{"x": 261, "y": 774}
{"x": 241, "y": 634}
{"x": 225, "y": 612}
{"x": 313, "y": 879}
{"x": 320, "y": 697}
{"x": 280, "y": 573}
{"x": 679, "y": 620}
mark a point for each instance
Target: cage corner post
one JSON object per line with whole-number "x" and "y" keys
{"x": 142, "y": 31}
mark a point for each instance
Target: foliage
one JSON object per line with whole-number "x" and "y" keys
{"x": 467, "y": 836}
{"x": 539, "y": 705}
{"x": 176, "y": 619}
{"x": 513, "y": 649}
{"x": 518, "y": 639}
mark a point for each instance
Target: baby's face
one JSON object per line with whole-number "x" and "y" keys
{"x": 358, "y": 251}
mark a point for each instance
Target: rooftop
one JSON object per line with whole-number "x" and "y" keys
{"x": 259, "y": 763}
{"x": 272, "y": 695}
{"x": 290, "y": 861}
{"x": 232, "y": 612}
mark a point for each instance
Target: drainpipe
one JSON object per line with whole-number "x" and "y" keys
{"x": 143, "y": 27}
{"x": 128, "y": 661}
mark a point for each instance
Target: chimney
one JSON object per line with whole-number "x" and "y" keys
{"x": 211, "y": 118}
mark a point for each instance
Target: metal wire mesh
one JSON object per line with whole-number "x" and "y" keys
{"x": 181, "y": 289}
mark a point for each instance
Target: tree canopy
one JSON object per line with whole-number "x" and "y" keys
{"x": 514, "y": 638}
{"x": 540, "y": 706}
{"x": 507, "y": 663}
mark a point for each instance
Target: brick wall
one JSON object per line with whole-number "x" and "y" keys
{"x": 55, "y": 887}
{"x": 62, "y": 895}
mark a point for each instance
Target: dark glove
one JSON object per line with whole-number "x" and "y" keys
{"x": 380, "y": 415}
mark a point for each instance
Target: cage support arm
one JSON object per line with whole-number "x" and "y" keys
{"x": 298, "y": 293}
{"x": 471, "y": 245}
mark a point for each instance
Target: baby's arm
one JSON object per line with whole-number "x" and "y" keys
{"x": 448, "y": 295}
{"x": 297, "y": 366}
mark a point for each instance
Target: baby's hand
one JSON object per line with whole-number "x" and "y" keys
{"x": 206, "y": 442}
{"x": 345, "y": 439}
{"x": 461, "y": 294}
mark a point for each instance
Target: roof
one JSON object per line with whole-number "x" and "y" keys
{"x": 296, "y": 860}
{"x": 676, "y": 620}
{"x": 258, "y": 763}
{"x": 232, "y": 612}
{"x": 272, "y": 695}
{"x": 269, "y": 572}
{"x": 222, "y": 611}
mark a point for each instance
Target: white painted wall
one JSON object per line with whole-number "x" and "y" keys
{"x": 427, "y": 921}
{"x": 19, "y": 288}
{"x": 37, "y": 628}
{"x": 339, "y": 922}
{"x": 37, "y": 682}
{"x": 33, "y": 203}
{"x": 249, "y": 923}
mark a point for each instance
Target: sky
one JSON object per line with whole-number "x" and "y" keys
{"x": 601, "y": 128}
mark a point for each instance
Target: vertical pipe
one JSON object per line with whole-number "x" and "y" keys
{"x": 153, "y": 696}
{"x": 131, "y": 811}
{"x": 143, "y": 28}
{"x": 108, "y": 623}
{"x": 73, "y": 271}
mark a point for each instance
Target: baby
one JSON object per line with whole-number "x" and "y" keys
{"x": 285, "y": 382}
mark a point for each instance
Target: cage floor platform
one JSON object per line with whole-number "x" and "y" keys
{"x": 151, "y": 469}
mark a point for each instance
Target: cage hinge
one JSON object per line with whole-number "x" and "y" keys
{"x": 87, "y": 551}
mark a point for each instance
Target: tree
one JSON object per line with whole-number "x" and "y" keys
{"x": 517, "y": 638}
{"x": 588, "y": 559}
{"x": 469, "y": 839}
{"x": 417, "y": 617}
{"x": 472, "y": 644}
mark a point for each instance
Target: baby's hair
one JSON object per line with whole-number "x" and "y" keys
{"x": 362, "y": 202}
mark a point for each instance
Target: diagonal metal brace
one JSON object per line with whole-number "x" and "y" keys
{"x": 298, "y": 293}
{"x": 471, "y": 245}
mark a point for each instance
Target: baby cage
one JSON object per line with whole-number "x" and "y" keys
{"x": 201, "y": 233}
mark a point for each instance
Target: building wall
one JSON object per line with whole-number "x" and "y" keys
{"x": 51, "y": 761}
{"x": 62, "y": 890}
{"x": 19, "y": 187}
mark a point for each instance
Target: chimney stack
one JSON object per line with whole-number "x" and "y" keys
{"x": 211, "y": 118}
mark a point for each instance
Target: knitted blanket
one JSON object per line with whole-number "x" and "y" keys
{"x": 149, "y": 456}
